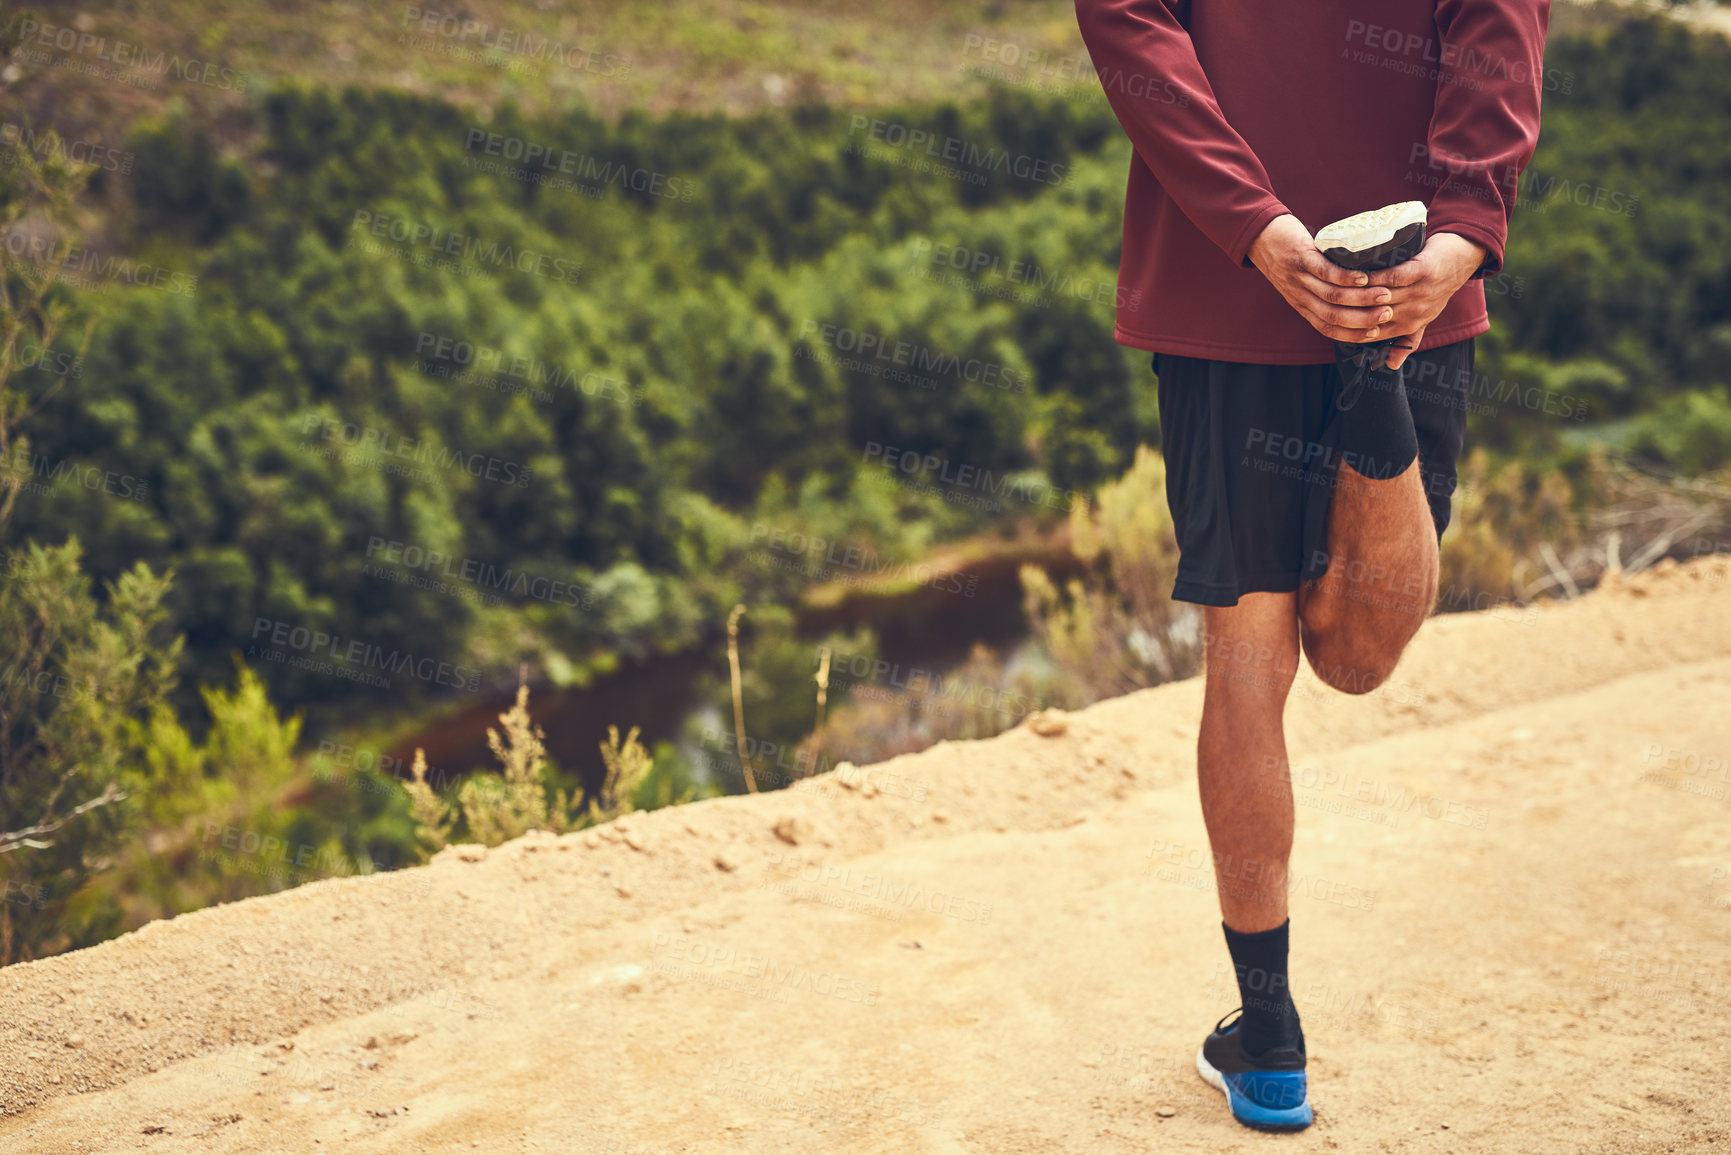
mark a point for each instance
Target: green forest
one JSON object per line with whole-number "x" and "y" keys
{"x": 362, "y": 408}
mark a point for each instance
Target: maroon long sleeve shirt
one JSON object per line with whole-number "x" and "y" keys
{"x": 1240, "y": 111}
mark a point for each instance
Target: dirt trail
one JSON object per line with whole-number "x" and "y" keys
{"x": 1512, "y": 933}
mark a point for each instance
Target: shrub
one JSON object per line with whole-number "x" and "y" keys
{"x": 1117, "y": 629}
{"x": 491, "y": 809}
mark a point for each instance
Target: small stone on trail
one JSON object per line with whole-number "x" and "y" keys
{"x": 1049, "y": 723}
{"x": 793, "y": 829}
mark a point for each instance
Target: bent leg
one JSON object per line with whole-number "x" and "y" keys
{"x": 1246, "y": 788}
{"x": 1381, "y": 581}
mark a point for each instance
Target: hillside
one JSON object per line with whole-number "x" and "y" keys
{"x": 1511, "y": 916}
{"x": 95, "y": 68}
{"x": 98, "y": 64}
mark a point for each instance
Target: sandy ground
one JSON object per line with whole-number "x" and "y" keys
{"x": 1511, "y": 929}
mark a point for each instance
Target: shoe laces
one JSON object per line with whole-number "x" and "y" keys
{"x": 1366, "y": 359}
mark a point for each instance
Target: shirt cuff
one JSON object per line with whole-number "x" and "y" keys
{"x": 1253, "y": 226}
{"x": 1492, "y": 241}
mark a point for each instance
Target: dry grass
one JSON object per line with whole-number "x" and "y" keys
{"x": 494, "y": 809}
{"x": 730, "y": 56}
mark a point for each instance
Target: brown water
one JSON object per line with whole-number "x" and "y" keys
{"x": 928, "y": 628}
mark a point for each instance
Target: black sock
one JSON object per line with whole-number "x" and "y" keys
{"x": 1376, "y": 435}
{"x": 1270, "y": 1019}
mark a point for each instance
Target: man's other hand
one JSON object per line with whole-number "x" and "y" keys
{"x": 1422, "y": 286}
{"x": 1340, "y": 303}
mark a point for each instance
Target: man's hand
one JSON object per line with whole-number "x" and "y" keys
{"x": 1340, "y": 303}
{"x": 1422, "y": 286}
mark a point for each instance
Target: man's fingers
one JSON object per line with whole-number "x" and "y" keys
{"x": 1337, "y": 295}
{"x": 1341, "y": 332}
{"x": 1398, "y": 355}
{"x": 1324, "y": 269}
{"x": 1402, "y": 275}
{"x": 1400, "y": 328}
{"x": 1346, "y": 318}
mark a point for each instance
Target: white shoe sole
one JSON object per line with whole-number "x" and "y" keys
{"x": 1210, "y": 1076}
{"x": 1367, "y": 230}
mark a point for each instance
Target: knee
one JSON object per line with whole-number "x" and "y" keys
{"x": 1350, "y": 659}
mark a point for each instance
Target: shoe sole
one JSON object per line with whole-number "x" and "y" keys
{"x": 1367, "y": 230}
{"x": 1256, "y": 1117}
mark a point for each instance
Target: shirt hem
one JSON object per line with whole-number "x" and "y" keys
{"x": 1279, "y": 355}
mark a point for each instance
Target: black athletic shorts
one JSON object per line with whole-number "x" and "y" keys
{"x": 1249, "y": 465}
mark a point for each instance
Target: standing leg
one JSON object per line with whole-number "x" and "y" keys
{"x": 1241, "y": 755}
{"x": 1246, "y": 790}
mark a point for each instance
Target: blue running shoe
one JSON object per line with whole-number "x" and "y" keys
{"x": 1268, "y": 1092}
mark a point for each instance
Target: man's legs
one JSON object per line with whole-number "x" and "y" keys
{"x": 1246, "y": 790}
{"x": 1353, "y": 623}
{"x": 1381, "y": 582}
{"x": 1241, "y": 764}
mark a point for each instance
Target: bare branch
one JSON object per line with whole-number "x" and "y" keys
{"x": 13, "y": 840}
